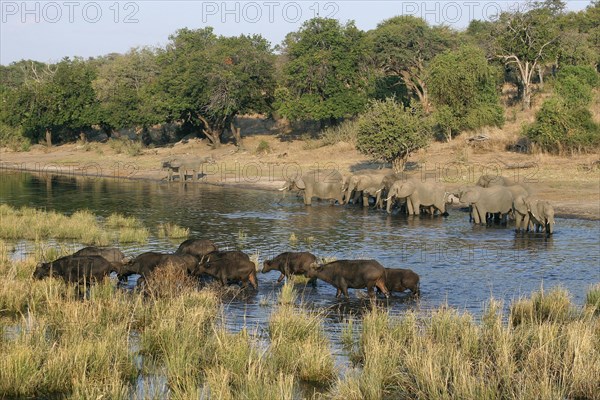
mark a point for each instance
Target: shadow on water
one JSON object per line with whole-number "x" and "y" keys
{"x": 460, "y": 264}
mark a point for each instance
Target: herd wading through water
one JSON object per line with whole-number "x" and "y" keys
{"x": 493, "y": 200}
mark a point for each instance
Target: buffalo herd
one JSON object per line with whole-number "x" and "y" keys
{"x": 201, "y": 257}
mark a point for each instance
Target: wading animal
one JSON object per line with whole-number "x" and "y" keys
{"x": 197, "y": 247}
{"x": 398, "y": 280}
{"x": 111, "y": 254}
{"x": 229, "y": 266}
{"x": 355, "y": 274}
{"x": 324, "y": 184}
{"x": 147, "y": 262}
{"x": 290, "y": 263}
{"x": 76, "y": 269}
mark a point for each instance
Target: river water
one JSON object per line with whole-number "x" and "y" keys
{"x": 460, "y": 264}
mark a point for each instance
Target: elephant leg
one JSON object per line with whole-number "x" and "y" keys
{"x": 195, "y": 177}
{"x": 416, "y": 207}
{"x": 181, "y": 174}
{"x": 365, "y": 199}
{"x": 338, "y": 293}
{"x": 475, "y": 215}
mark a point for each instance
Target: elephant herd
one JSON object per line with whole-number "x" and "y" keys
{"x": 201, "y": 257}
{"x": 491, "y": 198}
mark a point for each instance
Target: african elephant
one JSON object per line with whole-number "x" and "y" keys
{"x": 494, "y": 180}
{"x": 184, "y": 166}
{"x": 495, "y": 199}
{"x": 366, "y": 183}
{"x": 419, "y": 194}
{"x": 325, "y": 184}
{"x": 521, "y": 213}
{"x": 541, "y": 214}
{"x": 384, "y": 188}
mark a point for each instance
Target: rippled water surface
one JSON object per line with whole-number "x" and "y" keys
{"x": 459, "y": 264}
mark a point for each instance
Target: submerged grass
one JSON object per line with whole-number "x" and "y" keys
{"x": 172, "y": 231}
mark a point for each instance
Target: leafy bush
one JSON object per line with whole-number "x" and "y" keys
{"x": 560, "y": 128}
{"x": 583, "y": 73}
{"x": 388, "y": 131}
{"x": 13, "y": 139}
{"x": 263, "y": 147}
{"x": 574, "y": 92}
{"x": 564, "y": 123}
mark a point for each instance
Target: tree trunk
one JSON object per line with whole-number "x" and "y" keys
{"x": 526, "y": 96}
{"x": 48, "y": 137}
{"x": 541, "y": 76}
{"x": 398, "y": 164}
{"x": 237, "y": 135}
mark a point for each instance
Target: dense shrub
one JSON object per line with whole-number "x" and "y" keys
{"x": 390, "y": 132}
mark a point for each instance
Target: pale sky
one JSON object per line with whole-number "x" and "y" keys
{"x": 50, "y": 30}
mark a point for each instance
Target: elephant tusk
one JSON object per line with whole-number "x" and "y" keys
{"x": 389, "y": 198}
{"x": 282, "y": 189}
{"x": 378, "y": 191}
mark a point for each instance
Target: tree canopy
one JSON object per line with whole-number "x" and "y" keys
{"x": 464, "y": 91}
{"x": 322, "y": 77}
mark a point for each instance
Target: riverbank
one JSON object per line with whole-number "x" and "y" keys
{"x": 572, "y": 184}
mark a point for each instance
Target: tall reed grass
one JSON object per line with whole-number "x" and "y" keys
{"x": 544, "y": 348}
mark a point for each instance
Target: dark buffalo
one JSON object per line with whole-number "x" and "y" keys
{"x": 290, "y": 263}
{"x": 197, "y": 247}
{"x": 145, "y": 263}
{"x": 229, "y": 266}
{"x": 398, "y": 280}
{"x": 355, "y": 274}
{"x": 76, "y": 269}
{"x": 111, "y": 254}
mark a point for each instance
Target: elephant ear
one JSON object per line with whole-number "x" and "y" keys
{"x": 300, "y": 183}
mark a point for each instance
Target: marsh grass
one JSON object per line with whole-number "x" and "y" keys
{"x": 545, "y": 348}
{"x": 288, "y": 294}
{"x": 172, "y": 231}
{"x": 34, "y": 224}
{"x": 298, "y": 342}
{"x": 116, "y": 220}
{"x": 592, "y": 298}
{"x": 133, "y": 235}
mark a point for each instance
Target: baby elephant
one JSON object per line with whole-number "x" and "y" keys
{"x": 290, "y": 263}
{"x": 76, "y": 269}
{"x": 229, "y": 266}
{"x": 355, "y": 274}
{"x": 398, "y": 280}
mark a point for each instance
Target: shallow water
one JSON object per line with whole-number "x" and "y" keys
{"x": 459, "y": 264}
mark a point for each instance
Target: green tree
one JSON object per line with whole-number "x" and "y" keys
{"x": 123, "y": 87}
{"x": 403, "y": 46}
{"x": 57, "y": 99}
{"x": 206, "y": 81}
{"x": 464, "y": 91}
{"x": 390, "y": 132}
{"x": 322, "y": 75}
{"x": 527, "y": 40}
